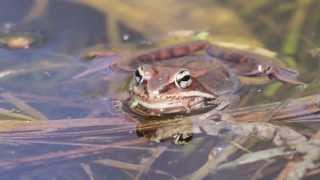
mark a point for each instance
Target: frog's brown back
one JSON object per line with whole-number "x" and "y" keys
{"x": 210, "y": 72}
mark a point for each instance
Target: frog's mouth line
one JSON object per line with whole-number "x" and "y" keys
{"x": 161, "y": 105}
{"x": 156, "y": 97}
{"x": 184, "y": 102}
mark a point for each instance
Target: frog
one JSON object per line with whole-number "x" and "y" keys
{"x": 194, "y": 77}
{"x": 177, "y": 87}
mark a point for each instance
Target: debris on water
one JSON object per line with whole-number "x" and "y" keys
{"x": 20, "y": 40}
{"x": 4, "y": 74}
{"x": 181, "y": 33}
{"x": 315, "y": 52}
{"x": 260, "y": 90}
{"x": 126, "y": 37}
{"x": 204, "y": 35}
{"x": 93, "y": 54}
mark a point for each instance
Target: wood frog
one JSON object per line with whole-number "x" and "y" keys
{"x": 194, "y": 77}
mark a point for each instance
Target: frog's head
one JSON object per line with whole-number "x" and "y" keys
{"x": 159, "y": 90}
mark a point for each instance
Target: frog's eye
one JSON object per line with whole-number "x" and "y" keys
{"x": 183, "y": 79}
{"x": 138, "y": 75}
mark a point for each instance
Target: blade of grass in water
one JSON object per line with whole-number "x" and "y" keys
{"x": 9, "y": 115}
{"x": 24, "y": 107}
{"x": 59, "y": 156}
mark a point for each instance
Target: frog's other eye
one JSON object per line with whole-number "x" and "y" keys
{"x": 183, "y": 79}
{"x": 138, "y": 75}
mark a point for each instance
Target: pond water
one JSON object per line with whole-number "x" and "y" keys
{"x": 60, "y": 113}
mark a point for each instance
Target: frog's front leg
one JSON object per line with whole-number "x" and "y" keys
{"x": 246, "y": 63}
{"x": 221, "y": 103}
{"x": 226, "y": 102}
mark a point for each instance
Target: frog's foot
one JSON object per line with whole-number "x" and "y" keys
{"x": 284, "y": 75}
{"x": 182, "y": 138}
{"x": 273, "y": 71}
{"x": 246, "y": 63}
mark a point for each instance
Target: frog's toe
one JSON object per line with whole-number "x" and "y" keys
{"x": 285, "y": 75}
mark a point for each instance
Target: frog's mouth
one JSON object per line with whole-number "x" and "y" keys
{"x": 170, "y": 104}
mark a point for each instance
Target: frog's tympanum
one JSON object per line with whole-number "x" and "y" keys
{"x": 195, "y": 77}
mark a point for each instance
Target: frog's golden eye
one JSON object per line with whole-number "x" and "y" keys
{"x": 183, "y": 79}
{"x": 138, "y": 75}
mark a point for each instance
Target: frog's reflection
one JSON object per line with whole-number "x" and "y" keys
{"x": 179, "y": 130}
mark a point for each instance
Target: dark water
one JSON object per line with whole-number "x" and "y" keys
{"x": 87, "y": 136}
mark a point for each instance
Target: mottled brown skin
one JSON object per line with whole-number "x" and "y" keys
{"x": 213, "y": 86}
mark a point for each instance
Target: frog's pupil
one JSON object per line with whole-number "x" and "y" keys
{"x": 138, "y": 76}
{"x": 185, "y": 78}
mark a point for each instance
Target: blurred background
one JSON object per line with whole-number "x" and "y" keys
{"x": 42, "y": 43}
